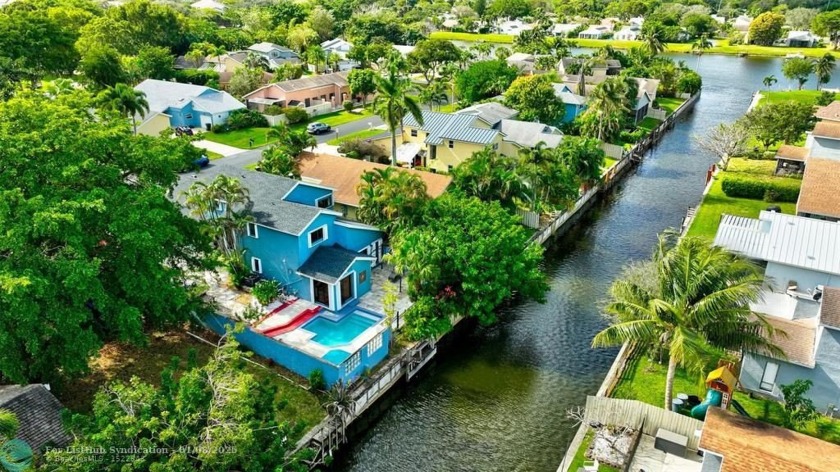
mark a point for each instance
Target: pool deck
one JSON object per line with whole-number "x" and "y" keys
{"x": 375, "y": 299}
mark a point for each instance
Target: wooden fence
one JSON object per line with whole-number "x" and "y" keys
{"x": 635, "y": 414}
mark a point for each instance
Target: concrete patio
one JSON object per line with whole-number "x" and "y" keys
{"x": 649, "y": 459}
{"x": 375, "y": 299}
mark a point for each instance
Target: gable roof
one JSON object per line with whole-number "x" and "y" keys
{"x": 749, "y": 445}
{"x": 827, "y": 129}
{"x": 830, "y": 307}
{"x": 38, "y": 412}
{"x": 444, "y": 126}
{"x": 266, "y": 47}
{"x": 601, "y": 64}
{"x": 343, "y": 174}
{"x": 819, "y": 194}
{"x": 328, "y": 263}
{"x": 490, "y": 112}
{"x": 796, "y": 241}
{"x": 799, "y": 340}
{"x": 528, "y": 134}
{"x": 830, "y": 112}
{"x": 338, "y": 79}
{"x": 791, "y": 153}
{"x": 266, "y": 192}
{"x": 162, "y": 95}
{"x": 648, "y": 85}
{"x": 336, "y": 43}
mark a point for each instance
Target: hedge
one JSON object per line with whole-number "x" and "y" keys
{"x": 771, "y": 190}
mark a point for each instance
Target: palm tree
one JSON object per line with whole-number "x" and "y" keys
{"x": 57, "y": 87}
{"x": 701, "y": 45}
{"x": 608, "y": 100}
{"x": 200, "y": 51}
{"x": 392, "y": 104}
{"x": 255, "y": 61}
{"x": 127, "y": 101}
{"x": 534, "y": 161}
{"x": 653, "y": 42}
{"x": 770, "y": 81}
{"x": 692, "y": 300}
{"x": 434, "y": 94}
{"x": 217, "y": 203}
{"x": 390, "y": 198}
{"x": 340, "y": 406}
{"x": 316, "y": 55}
{"x": 482, "y": 49}
{"x": 824, "y": 67}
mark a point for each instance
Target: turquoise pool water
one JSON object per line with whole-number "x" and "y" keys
{"x": 331, "y": 333}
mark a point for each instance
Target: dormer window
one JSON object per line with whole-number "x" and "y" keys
{"x": 318, "y": 235}
{"x": 324, "y": 202}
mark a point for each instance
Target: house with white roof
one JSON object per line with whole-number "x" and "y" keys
{"x": 742, "y": 23}
{"x": 514, "y": 27}
{"x": 629, "y": 33}
{"x": 801, "y": 39}
{"x": 176, "y": 104}
{"x": 801, "y": 260}
{"x": 564, "y": 29}
{"x": 341, "y": 48}
{"x": 209, "y": 5}
{"x": 275, "y": 55}
{"x": 595, "y": 32}
{"x": 637, "y": 21}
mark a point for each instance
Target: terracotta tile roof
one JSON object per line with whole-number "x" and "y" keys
{"x": 792, "y": 153}
{"x": 830, "y": 309}
{"x": 748, "y": 445}
{"x": 827, "y": 129}
{"x": 819, "y": 194}
{"x": 798, "y": 343}
{"x": 343, "y": 175}
{"x": 830, "y": 112}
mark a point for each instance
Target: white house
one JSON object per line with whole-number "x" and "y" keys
{"x": 340, "y": 47}
{"x": 564, "y": 29}
{"x": 638, "y": 21}
{"x": 275, "y": 54}
{"x": 801, "y": 39}
{"x": 719, "y": 19}
{"x": 595, "y": 32}
{"x": 208, "y": 5}
{"x": 742, "y": 23}
{"x": 629, "y": 33}
{"x": 514, "y": 27}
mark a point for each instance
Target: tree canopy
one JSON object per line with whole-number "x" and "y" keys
{"x": 766, "y": 28}
{"x": 484, "y": 79}
{"x": 533, "y": 96}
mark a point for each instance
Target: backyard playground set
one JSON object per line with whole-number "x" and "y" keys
{"x": 720, "y": 383}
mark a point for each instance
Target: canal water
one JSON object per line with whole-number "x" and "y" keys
{"x": 498, "y": 401}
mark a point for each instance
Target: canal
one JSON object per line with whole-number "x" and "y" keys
{"x": 498, "y": 401}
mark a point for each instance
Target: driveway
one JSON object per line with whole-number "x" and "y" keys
{"x": 218, "y": 148}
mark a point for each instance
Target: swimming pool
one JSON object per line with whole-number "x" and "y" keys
{"x": 335, "y": 333}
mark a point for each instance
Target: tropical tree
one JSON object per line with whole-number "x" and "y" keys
{"x": 315, "y": 55}
{"x": 276, "y": 160}
{"x": 199, "y": 51}
{"x": 127, "y": 101}
{"x": 293, "y": 141}
{"x": 607, "y": 107}
{"x": 434, "y": 94}
{"x": 391, "y": 199}
{"x": 692, "y": 301}
{"x": 823, "y": 68}
{"x": 255, "y": 61}
{"x": 725, "y": 141}
{"x": 701, "y": 45}
{"x": 535, "y": 99}
{"x": 490, "y": 176}
{"x": 224, "y": 205}
{"x": 340, "y": 405}
{"x": 393, "y": 103}
{"x": 770, "y": 81}
{"x": 799, "y": 69}
{"x": 653, "y": 41}
{"x": 362, "y": 83}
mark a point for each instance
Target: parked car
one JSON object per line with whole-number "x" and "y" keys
{"x": 183, "y": 131}
{"x": 318, "y": 128}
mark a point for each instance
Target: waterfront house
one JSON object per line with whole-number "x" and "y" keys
{"x": 595, "y": 32}
{"x": 735, "y": 443}
{"x": 818, "y": 195}
{"x": 173, "y": 104}
{"x": 830, "y": 112}
{"x": 39, "y": 414}
{"x": 209, "y": 5}
{"x": 628, "y": 33}
{"x": 324, "y": 264}
{"x": 275, "y": 55}
{"x": 801, "y": 39}
{"x": 563, "y": 30}
{"x": 518, "y": 135}
{"x": 742, "y": 23}
{"x": 344, "y": 174}
{"x": 491, "y": 113}
{"x": 331, "y": 89}
{"x": 600, "y": 67}
{"x": 801, "y": 260}
{"x": 514, "y": 27}
{"x": 526, "y": 63}
{"x": 575, "y": 104}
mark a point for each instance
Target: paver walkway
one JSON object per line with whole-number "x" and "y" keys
{"x": 218, "y": 148}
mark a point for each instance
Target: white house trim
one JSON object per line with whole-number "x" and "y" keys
{"x": 324, "y": 238}
{"x": 318, "y": 201}
{"x": 256, "y": 265}
{"x": 248, "y": 227}
{"x": 353, "y": 280}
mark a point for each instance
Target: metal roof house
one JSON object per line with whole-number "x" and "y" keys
{"x": 324, "y": 264}
{"x": 801, "y": 257}
{"x": 190, "y": 105}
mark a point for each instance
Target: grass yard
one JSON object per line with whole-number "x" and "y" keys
{"x": 240, "y": 138}
{"x": 337, "y": 118}
{"x": 669, "y": 104}
{"x": 801, "y": 96}
{"x": 448, "y": 108}
{"x": 580, "y": 457}
{"x": 716, "y": 203}
{"x": 648, "y": 124}
{"x": 608, "y": 162}
{"x": 364, "y": 134}
{"x": 212, "y": 155}
{"x": 644, "y": 380}
{"x": 472, "y": 37}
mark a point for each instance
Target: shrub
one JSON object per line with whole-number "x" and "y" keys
{"x": 273, "y": 110}
{"x": 825, "y": 98}
{"x": 317, "y": 381}
{"x": 265, "y": 291}
{"x": 244, "y": 118}
{"x": 295, "y": 115}
{"x": 348, "y": 106}
{"x": 780, "y": 189}
{"x": 197, "y": 77}
{"x": 364, "y": 150}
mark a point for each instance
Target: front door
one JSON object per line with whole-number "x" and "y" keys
{"x": 346, "y": 289}
{"x": 321, "y": 292}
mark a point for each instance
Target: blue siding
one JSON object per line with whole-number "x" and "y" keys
{"x": 307, "y": 194}
{"x": 279, "y": 255}
{"x": 304, "y": 251}
{"x": 354, "y": 239}
{"x": 178, "y": 117}
{"x": 572, "y": 111}
{"x": 362, "y": 266}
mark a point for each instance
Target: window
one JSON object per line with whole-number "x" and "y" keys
{"x": 324, "y": 202}
{"x": 347, "y": 289}
{"x": 362, "y": 276}
{"x": 221, "y": 206}
{"x": 188, "y": 116}
{"x": 414, "y": 133}
{"x": 317, "y": 236}
{"x": 252, "y": 230}
{"x": 374, "y": 344}
{"x": 256, "y": 265}
{"x": 450, "y": 168}
{"x": 451, "y": 144}
{"x": 495, "y": 146}
{"x": 353, "y": 362}
{"x": 768, "y": 380}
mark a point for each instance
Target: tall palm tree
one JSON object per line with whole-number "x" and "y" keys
{"x": 653, "y": 42}
{"x": 255, "y": 61}
{"x": 127, "y": 101}
{"x": 692, "y": 300}
{"x": 392, "y": 104}
{"x": 340, "y": 406}
{"x": 316, "y": 55}
{"x": 609, "y": 101}
{"x": 701, "y": 45}
{"x": 535, "y": 162}
{"x": 770, "y": 81}
{"x": 224, "y": 203}
{"x": 434, "y": 94}
{"x": 824, "y": 67}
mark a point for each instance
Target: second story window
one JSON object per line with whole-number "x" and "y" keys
{"x": 414, "y": 133}
{"x": 451, "y": 144}
{"x": 317, "y": 236}
{"x": 324, "y": 202}
{"x": 252, "y": 230}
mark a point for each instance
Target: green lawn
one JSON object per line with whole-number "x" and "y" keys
{"x": 448, "y": 108}
{"x": 801, "y": 96}
{"x": 669, "y": 104}
{"x": 241, "y": 138}
{"x": 488, "y": 38}
{"x": 608, "y": 162}
{"x": 337, "y": 118}
{"x": 577, "y": 461}
{"x": 644, "y": 380}
{"x": 716, "y": 203}
{"x": 212, "y": 155}
{"x": 364, "y": 134}
{"x": 648, "y": 124}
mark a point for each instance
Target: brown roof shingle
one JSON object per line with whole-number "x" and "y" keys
{"x": 343, "y": 174}
{"x": 830, "y": 308}
{"x": 827, "y": 129}
{"x": 792, "y": 153}
{"x": 748, "y": 445}
{"x": 798, "y": 341}
{"x": 830, "y": 112}
{"x": 820, "y": 192}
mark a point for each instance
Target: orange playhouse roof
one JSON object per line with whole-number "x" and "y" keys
{"x": 723, "y": 375}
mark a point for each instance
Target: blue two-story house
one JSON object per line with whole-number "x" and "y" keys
{"x": 194, "y": 106}
{"x": 324, "y": 264}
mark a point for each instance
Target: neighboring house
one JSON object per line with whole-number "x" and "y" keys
{"x": 344, "y": 174}
{"x": 195, "y": 106}
{"x": 209, "y": 5}
{"x": 637, "y": 21}
{"x": 628, "y": 33}
{"x": 819, "y": 195}
{"x": 735, "y": 443}
{"x": 39, "y": 414}
{"x": 306, "y": 92}
{"x": 340, "y": 47}
{"x": 526, "y": 63}
{"x": 569, "y": 93}
{"x": 518, "y": 135}
{"x": 324, "y": 264}
{"x": 491, "y": 113}
{"x": 564, "y": 29}
{"x": 276, "y": 55}
{"x": 742, "y": 23}
{"x": 830, "y": 112}
{"x": 651, "y": 86}
{"x": 823, "y": 143}
{"x": 595, "y": 32}
{"x": 599, "y": 68}
{"x": 801, "y": 39}
{"x": 801, "y": 257}
{"x": 228, "y": 62}
{"x": 574, "y": 104}
{"x": 719, "y": 19}
{"x": 790, "y": 159}
{"x": 514, "y": 27}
